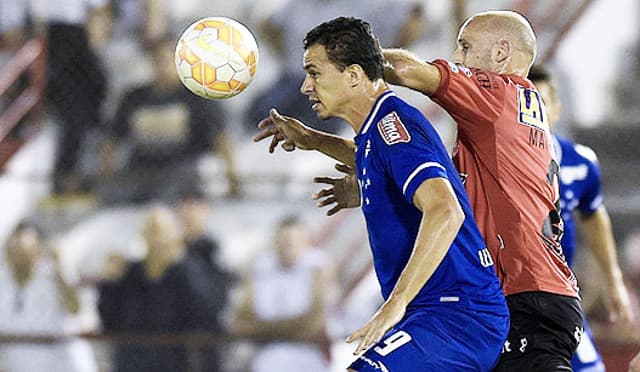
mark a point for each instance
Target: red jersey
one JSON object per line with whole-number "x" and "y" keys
{"x": 505, "y": 156}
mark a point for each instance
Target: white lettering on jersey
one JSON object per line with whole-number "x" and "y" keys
{"x": 393, "y": 130}
{"x": 523, "y": 344}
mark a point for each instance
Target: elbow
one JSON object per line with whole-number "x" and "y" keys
{"x": 455, "y": 216}
{"x": 452, "y": 214}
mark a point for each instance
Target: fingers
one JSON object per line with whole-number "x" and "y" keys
{"x": 334, "y": 210}
{"x": 273, "y": 144}
{"x": 323, "y": 193}
{"x": 262, "y": 135}
{"x": 327, "y": 201}
{"x": 344, "y": 168}
{"x": 275, "y": 115}
{"x": 326, "y": 180}
{"x": 357, "y": 334}
{"x": 368, "y": 335}
{"x": 265, "y": 122}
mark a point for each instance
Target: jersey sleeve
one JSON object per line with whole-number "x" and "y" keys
{"x": 471, "y": 97}
{"x": 407, "y": 154}
{"x": 591, "y": 199}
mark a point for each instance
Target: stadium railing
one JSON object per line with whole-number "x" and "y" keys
{"x": 29, "y": 61}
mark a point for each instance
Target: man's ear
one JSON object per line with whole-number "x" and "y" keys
{"x": 501, "y": 51}
{"x": 356, "y": 74}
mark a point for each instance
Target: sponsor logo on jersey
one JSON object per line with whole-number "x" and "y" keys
{"x": 453, "y": 67}
{"x": 393, "y": 130}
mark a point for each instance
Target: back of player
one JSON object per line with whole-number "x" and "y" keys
{"x": 506, "y": 156}
{"x": 458, "y": 321}
{"x": 579, "y": 188}
{"x": 579, "y": 191}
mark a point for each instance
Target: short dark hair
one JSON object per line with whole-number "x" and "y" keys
{"x": 349, "y": 41}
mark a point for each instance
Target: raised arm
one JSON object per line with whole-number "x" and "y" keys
{"x": 404, "y": 68}
{"x": 442, "y": 217}
{"x": 292, "y": 133}
{"x": 599, "y": 238}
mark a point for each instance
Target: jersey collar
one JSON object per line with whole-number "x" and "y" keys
{"x": 376, "y": 108}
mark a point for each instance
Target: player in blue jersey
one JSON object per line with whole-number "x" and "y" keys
{"x": 581, "y": 196}
{"x": 443, "y": 309}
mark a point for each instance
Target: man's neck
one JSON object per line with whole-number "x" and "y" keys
{"x": 363, "y": 103}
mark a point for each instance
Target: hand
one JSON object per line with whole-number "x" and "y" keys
{"x": 620, "y": 304}
{"x": 383, "y": 320}
{"x": 634, "y": 365}
{"x": 345, "y": 191}
{"x": 291, "y": 132}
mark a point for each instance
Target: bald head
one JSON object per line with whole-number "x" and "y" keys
{"x": 501, "y": 41}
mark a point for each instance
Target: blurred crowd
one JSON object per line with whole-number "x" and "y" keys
{"x": 125, "y": 241}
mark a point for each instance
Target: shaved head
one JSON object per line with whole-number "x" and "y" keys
{"x": 509, "y": 25}
{"x": 505, "y": 36}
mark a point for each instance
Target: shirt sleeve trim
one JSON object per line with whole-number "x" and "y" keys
{"x": 415, "y": 172}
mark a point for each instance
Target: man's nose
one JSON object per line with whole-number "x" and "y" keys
{"x": 306, "y": 86}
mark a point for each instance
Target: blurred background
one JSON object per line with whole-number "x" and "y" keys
{"x": 141, "y": 229}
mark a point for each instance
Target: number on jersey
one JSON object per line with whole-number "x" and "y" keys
{"x": 531, "y": 109}
{"x": 393, "y": 342}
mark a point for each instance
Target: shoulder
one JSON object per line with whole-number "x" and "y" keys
{"x": 576, "y": 152}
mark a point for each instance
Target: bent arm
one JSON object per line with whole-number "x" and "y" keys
{"x": 404, "y": 68}
{"x": 442, "y": 217}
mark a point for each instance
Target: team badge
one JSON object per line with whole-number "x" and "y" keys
{"x": 393, "y": 130}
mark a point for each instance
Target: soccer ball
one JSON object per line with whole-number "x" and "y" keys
{"x": 216, "y": 57}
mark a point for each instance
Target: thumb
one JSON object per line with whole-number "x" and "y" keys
{"x": 275, "y": 115}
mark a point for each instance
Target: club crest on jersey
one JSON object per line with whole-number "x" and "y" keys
{"x": 393, "y": 130}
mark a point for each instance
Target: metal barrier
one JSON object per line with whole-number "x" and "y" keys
{"x": 193, "y": 343}
{"x": 29, "y": 59}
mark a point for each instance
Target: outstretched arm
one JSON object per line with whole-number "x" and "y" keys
{"x": 404, "y": 68}
{"x": 599, "y": 238}
{"x": 292, "y": 133}
{"x": 442, "y": 217}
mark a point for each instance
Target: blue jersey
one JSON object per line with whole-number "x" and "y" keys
{"x": 579, "y": 188}
{"x": 397, "y": 150}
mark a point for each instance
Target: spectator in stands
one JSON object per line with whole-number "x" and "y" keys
{"x": 168, "y": 129}
{"x": 77, "y": 83}
{"x": 195, "y": 212}
{"x": 291, "y": 328}
{"x": 37, "y": 301}
{"x": 396, "y": 23}
{"x": 203, "y": 250}
{"x": 166, "y": 294}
